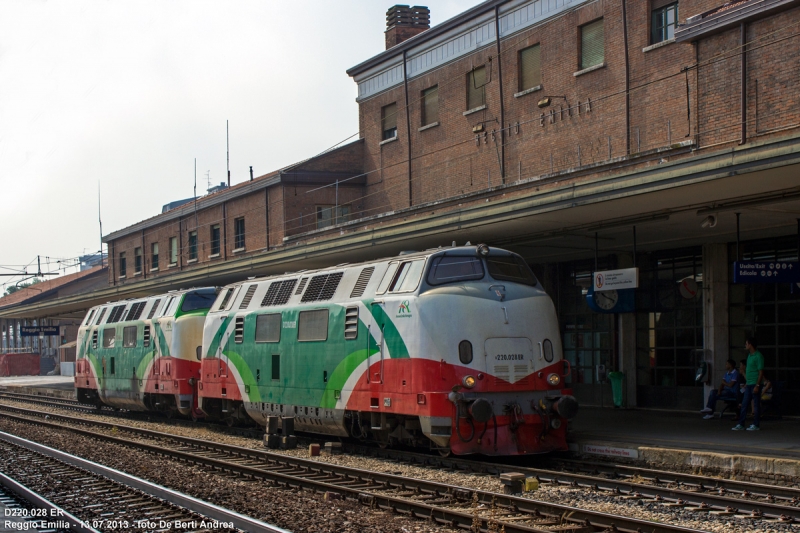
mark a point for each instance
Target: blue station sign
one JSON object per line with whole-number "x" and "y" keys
{"x": 766, "y": 272}
{"x": 35, "y": 331}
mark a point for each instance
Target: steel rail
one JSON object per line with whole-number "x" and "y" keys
{"x": 36, "y": 500}
{"x": 209, "y": 510}
{"x": 419, "y": 498}
{"x": 697, "y": 495}
{"x": 692, "y": 482}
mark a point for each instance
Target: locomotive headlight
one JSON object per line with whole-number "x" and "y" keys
{"x": 554, "y": 379}
{"x": 468, "y": 381}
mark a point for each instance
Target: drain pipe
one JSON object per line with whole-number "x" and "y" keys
{"x": 743, "y": 31}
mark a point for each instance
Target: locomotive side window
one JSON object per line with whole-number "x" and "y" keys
{"x": 313, "y": 325}
{"x": 109, "y": 334}
{"x": 548, "y": 350}
{"x": 167, "y": 305}
{"x": 511, "y": 268}
{"x": 234, "y": 294}
{"x": 408, "y": 276}
{"x": 450, "y": 268}
{"x": 268, "y": 328}
{"x": 129, "y": 337}
{"x": 222, "y": 300}
{"x": 387, "y": 278}
{"x": 465, "y": 352}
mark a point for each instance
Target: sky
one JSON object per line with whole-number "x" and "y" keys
{"x": 121, "y": 96}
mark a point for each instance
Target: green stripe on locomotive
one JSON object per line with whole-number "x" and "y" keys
{"x": 303, "y": 364}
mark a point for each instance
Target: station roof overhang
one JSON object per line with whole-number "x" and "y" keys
{"x": 729, "y": 15}
{"x": 550, "y": 220}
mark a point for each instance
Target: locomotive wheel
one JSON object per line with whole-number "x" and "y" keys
{"x": 445, "y": 452}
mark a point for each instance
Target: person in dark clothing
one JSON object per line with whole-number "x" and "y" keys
{"x": 727, "y": 390}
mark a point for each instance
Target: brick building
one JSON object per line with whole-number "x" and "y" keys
{"x": 585, "y": 135}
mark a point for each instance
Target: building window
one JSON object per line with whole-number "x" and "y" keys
{"x": 530, "y": 70}
{"x": 238, "y": 233}
{"x": 663, "y": 22}
{"x": 137, "y": 260}
{"x": 154, "y": 256}
{"x": 192, "y": 245}
{"x": 430, "y": 105}
{"x": 389, "y": 121}
{"x": 476, "y": 87}
{"x": 329, "y": 215}
{"x": 592, "y": 44}
{"x": 215, "y": 239}
{"x": 173, "y": 250}
{"x": 123, "y": 267}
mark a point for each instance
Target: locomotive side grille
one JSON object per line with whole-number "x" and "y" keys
{"x": 248, "y": 296}
{"x": 269, "y": 298}
{"x": 330, "y": 285}
{"x": 279, "y": 292}
{"x": 322, "y": 287}
{"x": 351, "y": 323}
{"x": 94, "y": 338}
{"x": 302, "y": 286}
{"x": 361, "y": 283}
{"x": 116, "y": 314}
{"x": 100, "y": 318}
{"x": 146, "y": 336}
{"x": 152, "y": 312}
{"x": 238, "y": 332}
{"x": 135, "y": 311}
{"x": 285, "y": 291}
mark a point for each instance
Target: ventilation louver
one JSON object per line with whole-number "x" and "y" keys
{"x": 116, "y": 314}
{"x": 152, "y": 312}
{"x": 248, "y": 296}
{"x": 302, "y": 286}
{"x": 361, "y": 283}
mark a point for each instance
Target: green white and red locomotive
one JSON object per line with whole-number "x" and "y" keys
{"x": 456, "y": 349}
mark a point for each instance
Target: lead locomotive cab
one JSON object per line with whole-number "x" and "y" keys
{"x": 457, "y": 349}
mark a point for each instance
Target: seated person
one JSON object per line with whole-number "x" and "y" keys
{"x": 766, "y": 390}
{"x": 727, "y": 390}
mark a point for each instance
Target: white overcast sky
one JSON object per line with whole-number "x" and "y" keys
{"x": 126, "y": 93}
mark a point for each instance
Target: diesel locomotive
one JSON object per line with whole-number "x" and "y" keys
{"x": 143, "y": 354}
{"x": 457, "y": 349}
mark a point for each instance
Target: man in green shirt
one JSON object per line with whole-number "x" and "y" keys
{"x": 754, "y": 375}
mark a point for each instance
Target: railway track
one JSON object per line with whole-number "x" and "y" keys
{"x": 89, "y": 497}
{"x": 445, "y": 504}
{"x": 701, "y": 494}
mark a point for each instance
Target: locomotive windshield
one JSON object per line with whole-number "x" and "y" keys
{"x": 510, "y": 268}
{"x": 448, "y": 269}
{"x": 201, "y": 299}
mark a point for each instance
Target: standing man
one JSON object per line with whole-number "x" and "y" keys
{"x": 754, "y": 375}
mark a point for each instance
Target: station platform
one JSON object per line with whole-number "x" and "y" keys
{"x": 58, "y": 386}
{"x": 680, "y": 439}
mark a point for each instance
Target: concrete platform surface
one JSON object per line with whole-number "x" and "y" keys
{"x": 663, "y": 437}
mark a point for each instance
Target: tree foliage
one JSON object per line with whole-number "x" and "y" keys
{"x": 15, "y": 288}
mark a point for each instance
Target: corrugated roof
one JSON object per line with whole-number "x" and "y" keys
{"x": 45, "y": 286}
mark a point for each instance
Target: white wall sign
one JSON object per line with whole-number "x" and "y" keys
{"x": 611, "y": 451}
{"x": 610, "y": 280}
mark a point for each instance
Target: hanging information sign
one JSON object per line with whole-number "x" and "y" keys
{"x": 766, "y": 272}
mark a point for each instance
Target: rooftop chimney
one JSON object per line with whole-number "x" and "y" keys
{"x": 404, "y": 22}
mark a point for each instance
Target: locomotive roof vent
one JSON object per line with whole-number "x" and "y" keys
{"x": 408, "y": 252}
